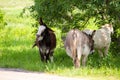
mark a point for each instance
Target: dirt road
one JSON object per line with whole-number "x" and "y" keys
{"x": 16, "y": 74}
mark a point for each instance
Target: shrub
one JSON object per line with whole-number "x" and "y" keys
{"x": 2, "y": 23}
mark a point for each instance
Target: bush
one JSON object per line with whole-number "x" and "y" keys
{"x": 80, "y": 14}
{"x": 2, "y": 23}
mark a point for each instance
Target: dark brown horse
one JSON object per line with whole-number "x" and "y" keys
{"x": 45, "y": 41}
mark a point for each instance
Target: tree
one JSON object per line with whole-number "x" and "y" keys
{"x": 69, "y": 14}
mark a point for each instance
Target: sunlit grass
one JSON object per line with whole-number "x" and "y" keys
{"x": 8, "y": 4}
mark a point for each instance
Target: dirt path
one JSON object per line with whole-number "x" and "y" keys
{"x": 16, "y": 74}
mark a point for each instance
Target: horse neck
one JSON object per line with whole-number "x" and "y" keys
{"x": 46, "y": 34}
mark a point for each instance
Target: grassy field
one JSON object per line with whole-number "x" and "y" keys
{"x": 16, "y": 40}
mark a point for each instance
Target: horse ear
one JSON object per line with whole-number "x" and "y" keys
{"x": 93, "y": 33}
{"x": 40, "y": 21}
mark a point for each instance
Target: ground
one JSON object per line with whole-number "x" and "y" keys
{"x": 17, "y": 74}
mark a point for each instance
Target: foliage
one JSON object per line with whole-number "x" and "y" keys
{"x": 66, "y": 14}
{"x": 77, "y": 12}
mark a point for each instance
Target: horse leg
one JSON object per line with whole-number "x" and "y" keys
{"x": 76, "y": 62}
{"x": 42, "y": 55}
{"x": 100, "y": 52}
{"x": 76, "y": 59}
{"x": 84, "y": 59}
{"x": 106, "y": 50}
{"x": 50, "y": 56}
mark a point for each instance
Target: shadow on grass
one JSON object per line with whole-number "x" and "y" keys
{"x": 29, "y": 59}
{"x": 110, "y": 61}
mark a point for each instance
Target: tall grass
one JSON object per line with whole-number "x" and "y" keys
{"x": 16, "y": 40}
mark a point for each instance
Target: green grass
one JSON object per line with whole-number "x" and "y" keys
{"x": 16, "y": 40}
